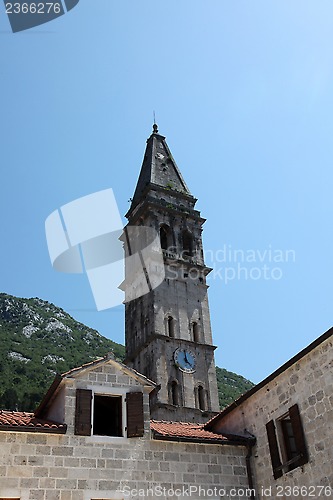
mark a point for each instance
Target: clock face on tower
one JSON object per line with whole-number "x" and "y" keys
{"x": 185, "y": 360}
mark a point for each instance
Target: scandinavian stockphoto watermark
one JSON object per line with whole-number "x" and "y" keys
{"x": 234, "y": 264}
{"x": 26, "y": 14}
{"x": 123, "y": 264}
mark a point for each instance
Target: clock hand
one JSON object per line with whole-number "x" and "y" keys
{"x": 189, "y": 363}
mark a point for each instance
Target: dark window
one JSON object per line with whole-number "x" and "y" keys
{"x": 201, "y": 398}
{"x": 196, "y": 332}
{"x": 187, "y": 244}
{"x": 108, "y": 415}
{"x": 287, "y": 442}
{"x": 174, "y": 393}
{"x": 171, "y": 326}
{"x": 165, "y": 237}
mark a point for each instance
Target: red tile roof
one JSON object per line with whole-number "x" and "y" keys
{"x": 27, "y": 422}
{"x": 186, "y": 431}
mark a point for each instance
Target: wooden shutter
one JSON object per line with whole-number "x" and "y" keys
{"x": 83, "y": 412}
{"x": 297, "y": 426}
{"x": 135, "y": 420}
{"x": 274, "y": 449}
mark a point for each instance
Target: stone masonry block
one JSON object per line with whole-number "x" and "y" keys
{"x": 171, "y": 456}
{"x": 47, "y": 483}
{"x": 36, "y": 439}
{"x": 65, "y": 495}
{"x": 37, "y": 494}
{"x": 19, "y": 471}
{"x": 29, "y": 483}
{"x": 58, "y": 472}
{"x": 67, "y": 484}
{"x": 52, "y": 494}
{"x": 62, "y": 450}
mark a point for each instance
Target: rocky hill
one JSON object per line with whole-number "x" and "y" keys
{"x": 38, "y": 340}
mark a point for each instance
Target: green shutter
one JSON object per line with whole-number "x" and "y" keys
{"x": 297, "y": 426}
{"x": 135, "y": 418}
{"x": 83, "y": 412}
{"x": 274, "y": 449}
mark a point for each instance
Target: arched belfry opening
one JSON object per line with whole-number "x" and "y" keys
{"x": 187, "y": 244}
{"x": 165, "y": 237}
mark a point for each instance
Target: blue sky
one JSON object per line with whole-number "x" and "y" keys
{"x": 243, "y": 92}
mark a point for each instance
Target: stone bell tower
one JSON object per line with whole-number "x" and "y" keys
{"x": 168, "y": 332}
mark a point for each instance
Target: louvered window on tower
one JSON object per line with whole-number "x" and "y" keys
{"x": 286, "y": 441}
{"x": 109, "y": 414}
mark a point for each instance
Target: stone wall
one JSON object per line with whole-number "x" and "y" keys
{"x": 309, "y": 383}
{"x": 36, "y": 466}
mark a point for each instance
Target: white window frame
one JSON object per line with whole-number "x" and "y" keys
{"x": 108, "y": 391}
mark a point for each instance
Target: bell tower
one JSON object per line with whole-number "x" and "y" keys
{"x": 168, "y": 332}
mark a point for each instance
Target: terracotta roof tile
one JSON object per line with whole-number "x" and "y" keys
{"x": 189, "y": 432}
{"x": 22, "y": 421}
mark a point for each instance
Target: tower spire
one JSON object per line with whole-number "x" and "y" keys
{"x": 159, "y": 169}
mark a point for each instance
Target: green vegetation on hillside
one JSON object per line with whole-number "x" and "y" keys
{"x": 230, "y": 386}
{"x": 38, "y": 340}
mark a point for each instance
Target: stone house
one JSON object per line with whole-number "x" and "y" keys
{"x": 291, "y": 415}
{"x": 91, "y": 438}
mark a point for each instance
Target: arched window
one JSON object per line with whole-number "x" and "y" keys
{"x": 165, "y": 237}
{"x": 187, "y": 244}
{"x": 174, "y": 393}
{"x": 171, "y": 326}
{"x": 201, "y": 398}
{"x": 195, "y": 332}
